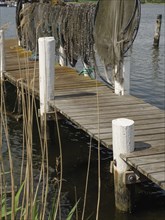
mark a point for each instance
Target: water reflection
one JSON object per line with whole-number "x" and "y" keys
{"x": 155, "y": 62}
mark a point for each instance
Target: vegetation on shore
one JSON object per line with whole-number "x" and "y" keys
{"x": 152, "y": 1}
{"x": 142, "y": 1}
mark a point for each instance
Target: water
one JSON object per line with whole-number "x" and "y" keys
{"x": 147, "y": 82}
{"x": 7, "y": 16}
{"x": 147, "y": 66}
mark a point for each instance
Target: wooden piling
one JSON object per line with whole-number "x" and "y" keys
{"x": 62, "y": 56}
{"x": 19, "y": 109}
{"x": 122, "y": 86}
{"x": 123, "y": 143}
{"x": 46, "y": 76}
{"x": 2, "y": 55}
{"x": 157, "y": 30}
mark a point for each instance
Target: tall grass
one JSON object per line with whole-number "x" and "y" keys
{"x": 31, "y": 200}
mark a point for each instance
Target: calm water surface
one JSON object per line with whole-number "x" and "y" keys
{"x": 148, "y": 83}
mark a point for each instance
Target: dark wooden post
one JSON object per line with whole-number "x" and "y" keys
{"x": 157, "y": 30}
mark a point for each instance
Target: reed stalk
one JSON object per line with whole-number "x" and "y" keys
{"x": 33, "y": 205}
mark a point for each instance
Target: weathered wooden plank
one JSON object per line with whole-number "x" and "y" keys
{"x": 139, "y": 125}
{"x": 145, "y": 151}
{"x": 149, "y": 129}
{"x": 108, "y": 119}
{"x": 91, "y": 102}
{"x": 144, "y": 138}
{"x": 90, "y": 114}
{"x": 158, "y": 177}
{"x": 105, "y": 123}
{"x": 140, "y": 143}
{"x": 144, "y": 160}
{"x": 152, "y": 168}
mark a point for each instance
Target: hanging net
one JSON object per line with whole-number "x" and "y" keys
{"x": 116, "y": 26}
{"x": 109, "y": 26}
{"x": 70, "y": 24}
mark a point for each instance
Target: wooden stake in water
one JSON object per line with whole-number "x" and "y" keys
{"x": 2, "y": 55}
{"x": 123, "y": 143}
{"x": 157, "y": 30}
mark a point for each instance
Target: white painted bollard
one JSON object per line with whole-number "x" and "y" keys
{"x": 46, "y": 72}
{"x": 123, "y": 143}
{"x": 2, "y": 54}
{"x": 123, "y": 87}
{"x": 46, "y": 81}
{"x": 62, "y": 56}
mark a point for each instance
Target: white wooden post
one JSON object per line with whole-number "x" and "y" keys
{"x": 2, "y": 54}
{"x": 62, "y": 56}
{"x": 123, "y": 143}
{"x": 123, "y": 88}
{"x": 46, "y": 72}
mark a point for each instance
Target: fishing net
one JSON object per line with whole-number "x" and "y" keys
{"x": 70, "y": 24}
{"x": 116, "y": 26}
{"x": 110, "y": 25}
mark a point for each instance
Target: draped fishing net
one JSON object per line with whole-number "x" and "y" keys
{"x": 116, "y": 26}
{"x": 110, "y": 25}
{"x": 70, "y": 24}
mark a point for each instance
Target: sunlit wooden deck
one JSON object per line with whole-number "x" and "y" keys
{"x": 92, "y": 107}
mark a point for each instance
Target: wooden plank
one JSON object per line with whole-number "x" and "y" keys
{"x": 146, "y": 151}
{"x": 142, "y": 128}
{"x": 152, "y": 168}
{"x": 143, "y": 138}
{"x": 108, "y": 119}
{"x": 92, "y": 100}
{"x": 106, "y": 106}
{"x": 107, "y": 124}
{"x": 139, "y": 143}
{"x": 144, "y": 160}
{"x": 146, "y": 129}
{"x": 109, "y": 113}
{"x": 157, "y": 177}
{"x": 108, "y": 130}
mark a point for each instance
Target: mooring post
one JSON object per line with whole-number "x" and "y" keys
{"x": 46, "y": 76}
{"x": 123, "y": 143}
{"x": 122, "y": 86}
{"x": 157, "y": 30}
{"x": 62, "y": 56}
{"x": 2, "y": 54}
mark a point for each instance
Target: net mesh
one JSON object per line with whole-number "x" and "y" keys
{"x": 70, "y": 24}
{"x": 109, "y": 27}
{"x": 116, "y": 26}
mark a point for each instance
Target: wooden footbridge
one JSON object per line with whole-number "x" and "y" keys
{"x": 92, "y": 107}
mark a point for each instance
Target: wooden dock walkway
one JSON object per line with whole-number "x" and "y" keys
{"x": 92, "y": 107}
